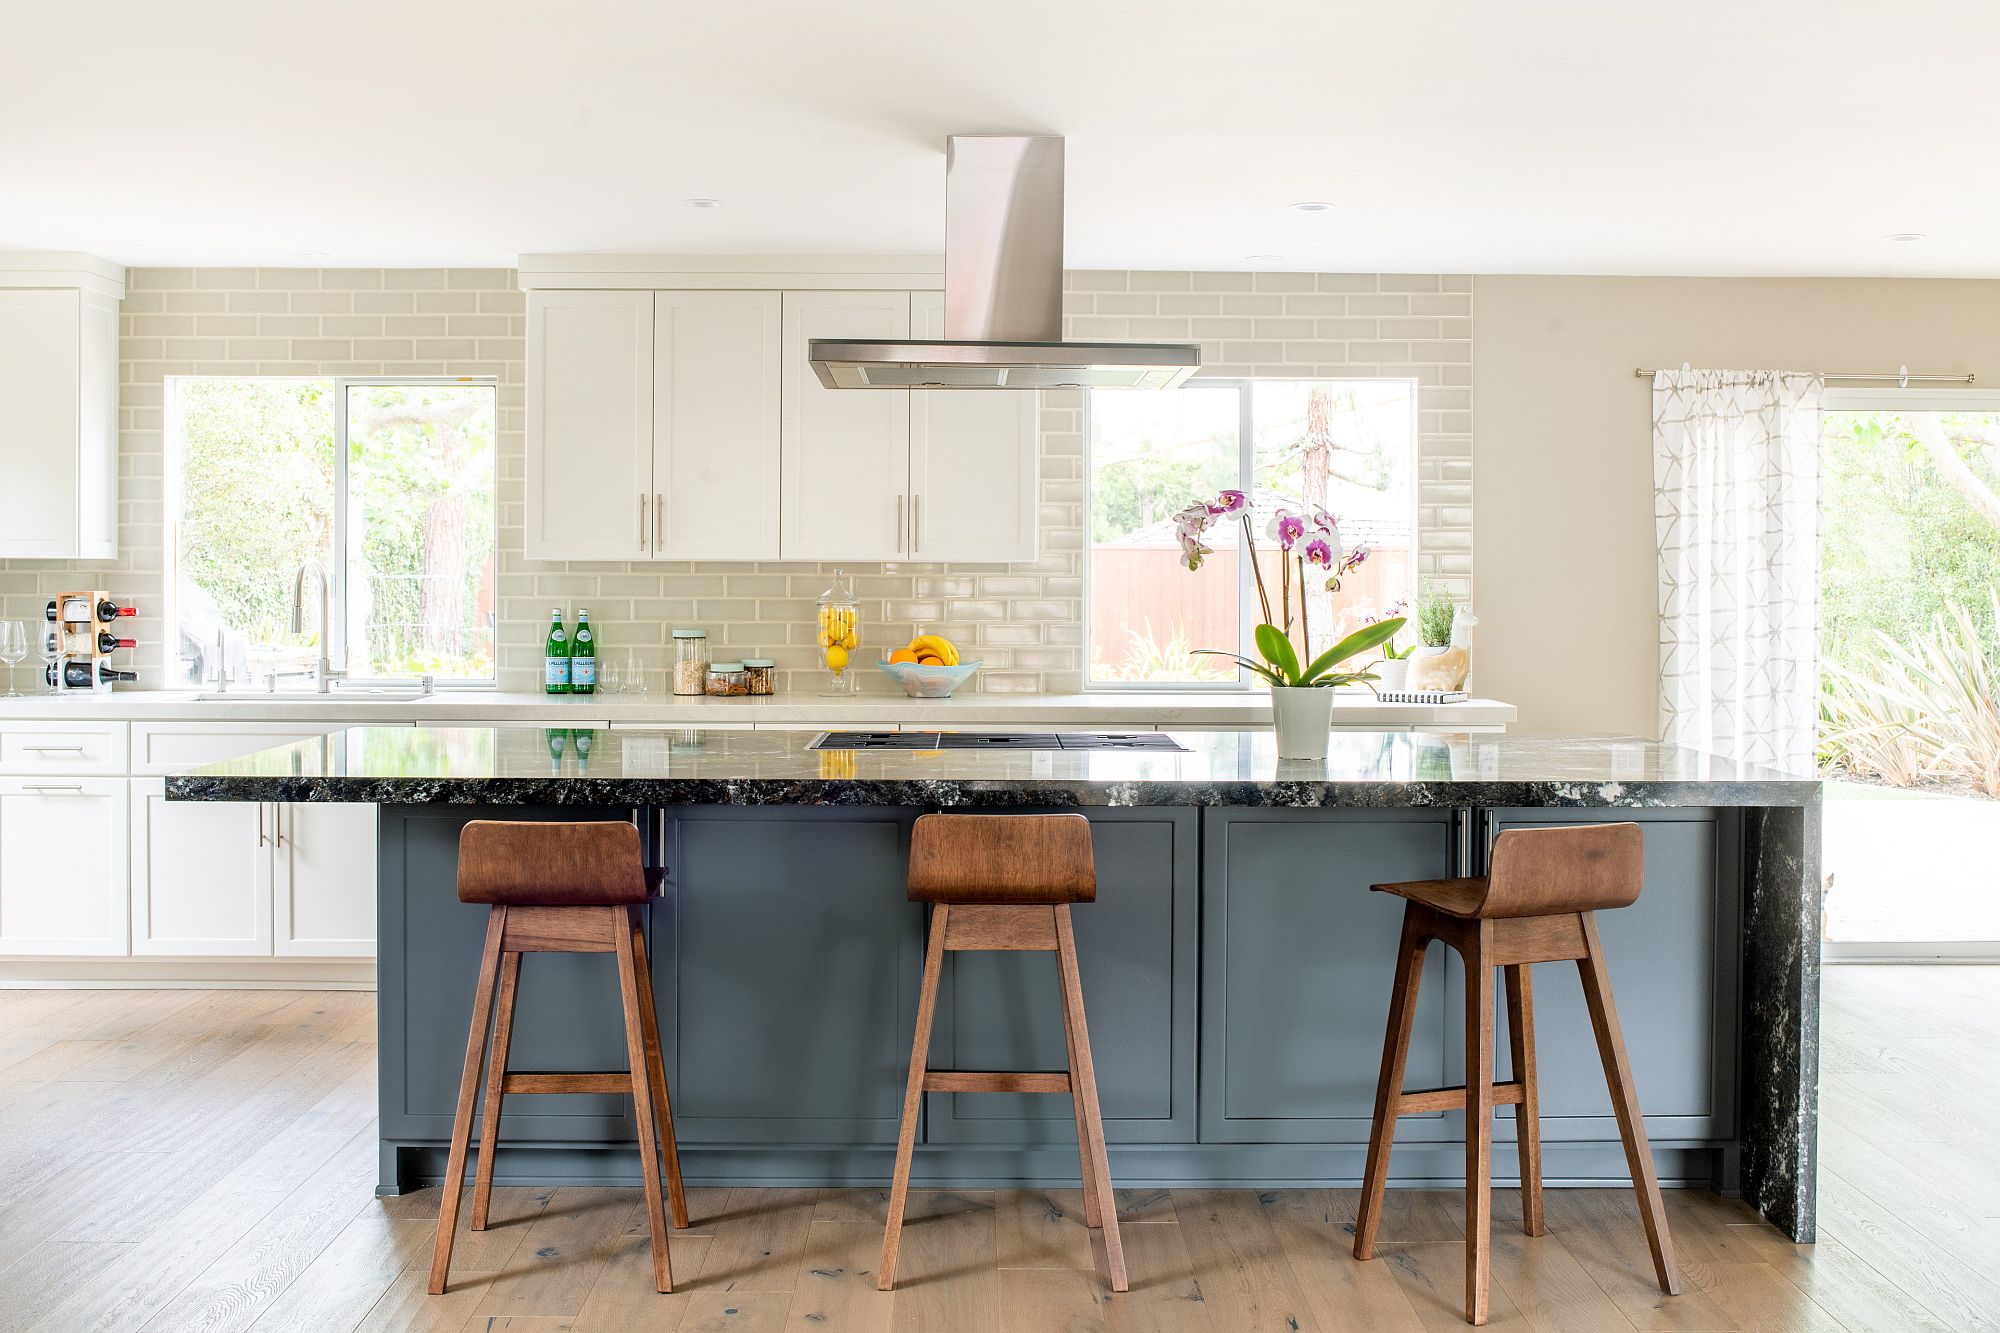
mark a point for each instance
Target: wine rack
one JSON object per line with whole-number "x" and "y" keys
{"x": 82, "y": 629}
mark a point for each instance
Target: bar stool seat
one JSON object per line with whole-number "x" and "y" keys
{"x": 1536, "y": 905}
{"x": 1005, "y": 882}
{"x": 558, "y": 888}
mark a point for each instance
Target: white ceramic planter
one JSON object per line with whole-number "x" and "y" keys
{"x": 1303, "y": 716}
{"x": 1392, "y": 673}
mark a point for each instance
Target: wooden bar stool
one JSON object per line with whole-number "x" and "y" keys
{"x": 1535, "y": 906}
{"x": 1005, "y": 882}
{"x": 558, "y": 888}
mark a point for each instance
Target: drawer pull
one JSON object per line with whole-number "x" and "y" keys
{"x": 71, "y": 788}
{"x": 54, "y": 749}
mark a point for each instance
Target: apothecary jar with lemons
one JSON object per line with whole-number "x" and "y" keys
{"x": 839, "y": 634}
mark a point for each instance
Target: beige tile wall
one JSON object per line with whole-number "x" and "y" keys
{"x": 1025, "y": 621}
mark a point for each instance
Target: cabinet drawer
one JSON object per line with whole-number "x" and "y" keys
{"x": 62, "y": 747}
{"x": 171, "y": 747}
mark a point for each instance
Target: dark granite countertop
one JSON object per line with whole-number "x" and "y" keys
{"x": 523, "y": 766}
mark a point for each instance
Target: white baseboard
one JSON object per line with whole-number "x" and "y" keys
{"x": 188, "y": 974}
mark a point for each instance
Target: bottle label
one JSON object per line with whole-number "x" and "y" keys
{"x": 583, "y": 671}
{"x": 555, "y": 671}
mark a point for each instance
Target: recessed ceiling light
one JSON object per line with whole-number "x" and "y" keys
{"x": 1312, "y": 206}
{"x": 1262, "y": 259}
{"x": 704, "y": 203}
{"x": 1905, "y": 237}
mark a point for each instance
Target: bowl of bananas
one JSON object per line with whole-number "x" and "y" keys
{"x": 928, "y": 667}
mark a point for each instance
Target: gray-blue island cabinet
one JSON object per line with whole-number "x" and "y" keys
{"x": 1235, "y": 966}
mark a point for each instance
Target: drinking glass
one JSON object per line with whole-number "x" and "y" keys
{"x": 13, "y": 648}
{"x": 609, "y": 679}
{"x": 52, "y": 659}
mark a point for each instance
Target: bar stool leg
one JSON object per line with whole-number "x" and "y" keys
{"x": 1085, "y": 1072}
{"x": 1528, "y": 1115}
{"x": 913, "y": 1097}
{"x": 1389, "y": 1087}
{"x": 1478, "y": 1118}
{"x": 656, "y": 1073}
{"x": 1625, "y": 1101}
{"x": 468, "y": 1092}
{"x": 1093, "y": 1210}
{"x": 496, "y": 1078}
{"x": 642, "y": 1102}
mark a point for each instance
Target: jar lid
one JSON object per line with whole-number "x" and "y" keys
{"x": 760, "y": 661}
{"x": 690, "y": 634}
{"x": 724, "y": 668}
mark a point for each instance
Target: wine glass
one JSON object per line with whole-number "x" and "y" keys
{"x": 52, "y": 639}
{"x": 13, "y": 648}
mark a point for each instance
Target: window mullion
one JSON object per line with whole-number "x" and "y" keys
{"x": 1246, "y": 579}
{"x": 335, "y": 628}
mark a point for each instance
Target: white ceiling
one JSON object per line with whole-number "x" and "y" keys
{"x": 1593, "y": 136}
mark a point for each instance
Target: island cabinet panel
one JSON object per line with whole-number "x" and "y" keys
{"x": 786, "y": 959}
{"x": 1138, "y": 952}
{"x": 1673, "y": 958}
{"x": 567, "y": 1019}
{"x": 1297, "y": 962}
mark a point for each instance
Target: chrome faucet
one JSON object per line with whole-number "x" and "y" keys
{"x": 326, "y": 673}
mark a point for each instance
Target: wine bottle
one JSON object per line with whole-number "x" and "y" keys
{"x": 583, "y": 656}
{"x": 555, "y": 656}
{"x": 111, "y": 643}
{"x": 86, "y": 675}
{"x": 108, "y": 611}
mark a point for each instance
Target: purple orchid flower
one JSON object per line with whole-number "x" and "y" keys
{"x": 1319, "y": 553}
{"x": 1290, "y": 527}
{"x": 1325, "y": 522}
{"x": 1228, "y": 502}
{"x": 1355, "y": 557}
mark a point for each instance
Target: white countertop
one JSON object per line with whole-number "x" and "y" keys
{"x": 1128, "y": 709}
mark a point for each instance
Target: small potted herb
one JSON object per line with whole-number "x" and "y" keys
{"x": 1445, "y": 660}
{"x": 1301, "y": 686}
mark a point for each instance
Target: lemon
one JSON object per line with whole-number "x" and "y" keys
{"x": 851, "y": 640}
{"x": 836, "y": 658}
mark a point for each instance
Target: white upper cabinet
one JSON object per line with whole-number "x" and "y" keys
{"x": 59, "y": 406}
{"x": 846, "y": 457}
{"x": 975, "y": 464}
{"x": 590, "y": 426}
{"x": 716, "y": 358}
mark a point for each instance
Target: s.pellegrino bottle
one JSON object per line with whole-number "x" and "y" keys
{"x": 555, "y": 656}
{"x": 583, "y": 656}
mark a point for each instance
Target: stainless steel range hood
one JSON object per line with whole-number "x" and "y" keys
{"x": 1003, "y": 265}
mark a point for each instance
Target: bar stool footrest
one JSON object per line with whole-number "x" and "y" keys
{"x": 607, "y": 1082}
{"x": 1453, "y": 1099}
{"x": 936, "y": 1080}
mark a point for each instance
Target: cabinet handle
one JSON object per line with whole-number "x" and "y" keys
{"x": 899, "y": 524}
{"x": 642, "y": 520}
{"x": 262, "y": 839}
{"x": 71, "y": 788}
{"x": 659, "y": 522}
{"x": 916, "y": 523}
{"x": 278, "y": 823}
{"x": 53, "y": 749}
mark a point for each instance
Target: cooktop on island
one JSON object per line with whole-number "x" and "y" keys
{"x": 995, "y": 740}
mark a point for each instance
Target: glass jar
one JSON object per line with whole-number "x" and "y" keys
{"x": 763, "y": 674}
{"x": 727, "y": 679}
{"x": 838, "y": 634}
{"x": 690, "y": 661}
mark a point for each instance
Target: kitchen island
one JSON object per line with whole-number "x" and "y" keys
{"x": 1235, "y": 966}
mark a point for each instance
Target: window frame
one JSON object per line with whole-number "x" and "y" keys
{"x": 336, "y": 575}
{"x": 1246, "y": 468}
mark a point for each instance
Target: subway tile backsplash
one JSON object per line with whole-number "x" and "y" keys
{"x": 1025, "y": 620}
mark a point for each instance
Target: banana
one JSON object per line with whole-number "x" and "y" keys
{"x": 935, "y": 645}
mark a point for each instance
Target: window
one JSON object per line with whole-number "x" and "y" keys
{"x": 387, "y": 485}
{"x": 1346, "y": 445}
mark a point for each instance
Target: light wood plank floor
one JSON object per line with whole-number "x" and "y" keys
{"x": 236, "y": 1194}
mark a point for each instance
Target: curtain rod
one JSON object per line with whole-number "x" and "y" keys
{"x": 1901, "y": 378}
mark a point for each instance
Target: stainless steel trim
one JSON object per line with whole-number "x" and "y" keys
{"x": 54, "y": 749}
{"x": 916, "y": 522}
{"x": 278, "y": 821}
{"x": 899, "y": 523}
{"x": 642, "y": 520}
{"x": 263, "y": 840}
{"x": 883, "y": 363}
{"x": 73, "y": 788}
{"x": 1003, "y": 238}
{"x": 659, "y": 521}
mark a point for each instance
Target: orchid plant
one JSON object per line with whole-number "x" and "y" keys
{"x": 1308, "y": 538}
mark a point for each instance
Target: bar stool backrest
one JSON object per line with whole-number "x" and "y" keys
{"x": 1546, "y": 871}
{"x": 1002, "y": 859}
{"x": 525, "y": 864}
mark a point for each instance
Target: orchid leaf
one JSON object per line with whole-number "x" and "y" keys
{"x": 1368, "y": 636}
{"x": 1278, "y": 651}
{"x": 1242, "y": 661}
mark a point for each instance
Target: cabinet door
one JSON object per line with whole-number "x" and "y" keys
{"x": 975, "y": 464}
{"x": 40, "y": 341}
{"x": 1297, "y": 960}
{"x": 846, "y": 455}
{"x": 589, "y": 475}
{"x": 201, "y": 875}
{"x": 715, "y": 424}
{"x": 62, "y": 866}
{"x": 323, "y": 892}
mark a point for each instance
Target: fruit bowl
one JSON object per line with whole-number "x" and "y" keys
{"x": 928, "y": 682}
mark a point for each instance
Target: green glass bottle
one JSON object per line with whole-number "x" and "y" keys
{"x": 558, "y": 742}
{"x": 555, "y": 656}
{"x": 581, "y": 740}
{"x": 583, "y": 656}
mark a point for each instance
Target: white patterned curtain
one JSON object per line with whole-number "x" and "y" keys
{"x": 1736, "y": 504}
